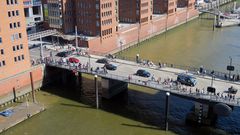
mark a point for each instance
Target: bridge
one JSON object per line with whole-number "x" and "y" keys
{"x": 216, "y": 13}
{"x": 42, "y": 34}
{"x": 161, "y": 81}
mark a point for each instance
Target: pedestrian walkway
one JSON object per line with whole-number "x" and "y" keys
{"x": 20, "y": 113}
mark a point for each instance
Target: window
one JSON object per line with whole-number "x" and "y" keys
{"x": 21, "y": 46}
{"x": 22, "y": 57}
{"x": 2, "y": 51}
{"x": 19, "y": 58}
{"x": 12, "y": 2}
{"x": 15, "y": 59}
{"x": 18, "y": 24}
{"x": 15, "y": 25}
{"x": 9, "y": 13}
{"x": 17, "y": 13}
{"x": 3, "y": 63}
{"x": 17, "y": 47}
{"x": 14, "y": 48}
{"x": 16, "y": 1}
{"x": 10, "y": 25}
{"x": 7, "y": 2}
{"x": 13, "y": 13}
{"x": 20, "y": 35}
{"x": 0, "y": 40}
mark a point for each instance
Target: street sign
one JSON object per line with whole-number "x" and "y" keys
{"x": 230, "y": 68}
{"x": 211, "y": 89}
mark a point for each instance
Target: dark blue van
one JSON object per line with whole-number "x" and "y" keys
{"x": 187, "y": 80}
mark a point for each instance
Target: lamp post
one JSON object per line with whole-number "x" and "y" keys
{"x": 89, "y": 65}
{"x": 167, "y": 110}
{"x": 121, "y": 43}
{"x": 96, "y": 91}
{"x": 230, "y": 65}
{"x": 41, "y": 48}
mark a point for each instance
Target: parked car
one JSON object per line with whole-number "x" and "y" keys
{"x": 63, "y": 54}
{"x": 187, "y": 80}
{"x": 110, "y": 66}
{"x": 103, "y": 60}
{"x": 73, "y": 60}
{"x": 143, "y": 73}
{"x": 7, "y": 113}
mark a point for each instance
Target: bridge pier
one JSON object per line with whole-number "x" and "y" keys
{"x": 207, "y": 113}
{"x": 111, "y": 88}
{"x": 202, "y": 114}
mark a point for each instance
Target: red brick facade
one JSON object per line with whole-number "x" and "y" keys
{"x": 134, "y": 33}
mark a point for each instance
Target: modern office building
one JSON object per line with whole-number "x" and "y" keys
{"x": 14, "y": 55}
{"x": 33, "y": 12}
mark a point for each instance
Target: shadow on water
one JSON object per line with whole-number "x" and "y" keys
{"x": 137, "y": 103}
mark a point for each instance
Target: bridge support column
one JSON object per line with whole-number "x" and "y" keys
{"x": 112, "y": 87}
{"x": 202, "y": 114}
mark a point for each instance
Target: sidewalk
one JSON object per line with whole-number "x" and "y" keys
{"x": 20, "y": 113}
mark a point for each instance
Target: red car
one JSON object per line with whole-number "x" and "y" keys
{"x": 73, "y": 60}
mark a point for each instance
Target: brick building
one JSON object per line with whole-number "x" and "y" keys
{"x": 132, "y": 11}
{"x": 14, "y": 55}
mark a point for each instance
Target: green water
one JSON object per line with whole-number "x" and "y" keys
{"x": 66, "y": 116}
{"x": 193, "y": 44}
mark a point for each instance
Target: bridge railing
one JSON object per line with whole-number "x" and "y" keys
{"x": 193, "y": 70}
{"x": 168, "y": 86}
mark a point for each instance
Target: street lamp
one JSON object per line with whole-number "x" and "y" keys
{"x": 167, "y": 110}
{"x": 230, "y": 65}
{"x": 89, "y": 65}
{"x": 121, "y": 43}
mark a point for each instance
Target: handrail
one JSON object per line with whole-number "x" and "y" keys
{"x": 166, "y": 86}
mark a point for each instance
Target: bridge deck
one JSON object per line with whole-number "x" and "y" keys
{"x": 128, "y": 68}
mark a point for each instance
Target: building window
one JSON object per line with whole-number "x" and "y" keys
{"x": 7, "y": 2}
{"x": 0, "y": 40}
{"x": 17, "y": 47}
{"x": 12, "y": 2}
{"x": 20, "y": 35}
{"x": 16, "y": 1}
{"x": 10, "y": 25}
{"x": 13, "y": 13}
{"x": 22, "y": 57}
{"x": 14, "y": 48}
{"x": 9, "y": 13}
{"x": 2, "y": 51}
{"x": 18, "y": 24}
{"x": 15, "y": 59}
{"x": 21, "y": 46}
{"x": 3, "y": 63}
{"x": 19, "y": 58}
{"x": 17, "y": 13}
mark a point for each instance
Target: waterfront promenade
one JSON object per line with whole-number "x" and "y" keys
{"x": 162, "y": 79}
{"x": 20, "y": 113}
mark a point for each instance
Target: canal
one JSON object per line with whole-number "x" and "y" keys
{"x": 140, "y": 111}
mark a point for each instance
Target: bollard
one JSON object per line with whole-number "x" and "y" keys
{"x": 96, "y": 91}
{"x": 167, "y": 110}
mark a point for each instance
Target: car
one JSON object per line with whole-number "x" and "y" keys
{"x": 143, "y": 73}
{"x": 110, "y": 66}
{"x": 73, "y": 60}
{"x": 187, "y": 80}
{"x": 7, "y": 113}
{"x": 103, "y": 60}
{"x": 63, "y": 54}
{"x": 232, "y": 90}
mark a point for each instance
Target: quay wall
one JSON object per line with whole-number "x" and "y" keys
{"x": 21, "y": 83}
{"x": 135, "y": 33}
